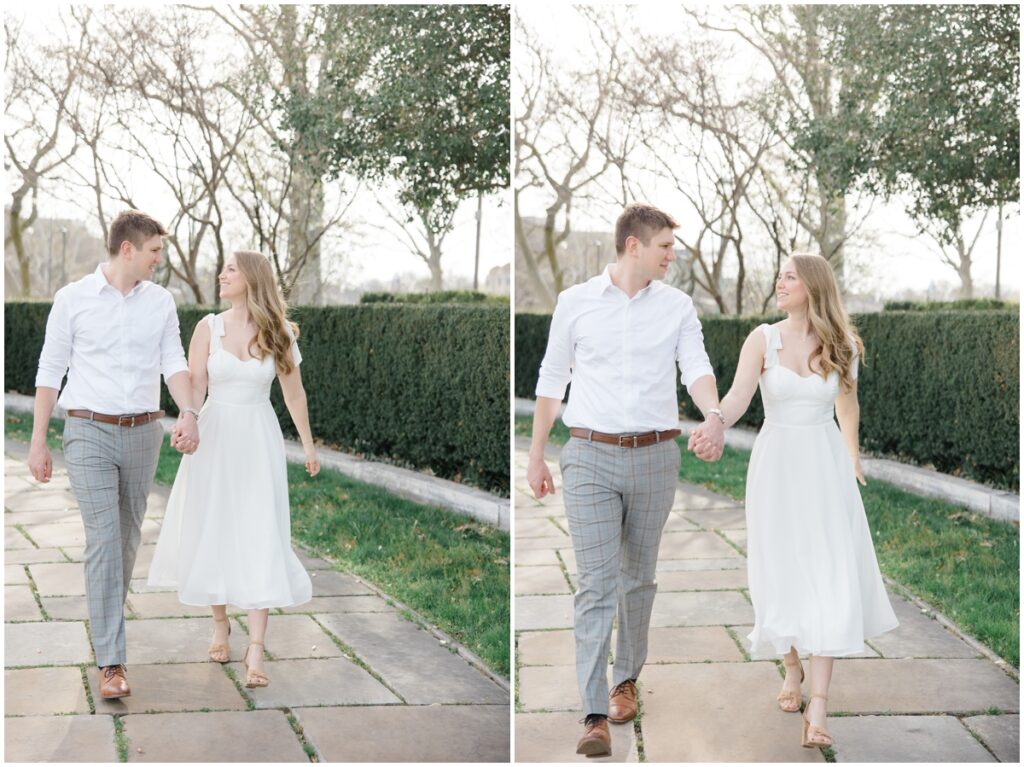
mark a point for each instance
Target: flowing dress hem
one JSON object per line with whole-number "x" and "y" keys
{"x": 780, "y": 645}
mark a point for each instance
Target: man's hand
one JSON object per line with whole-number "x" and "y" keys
{"x": 185, "y": 434}
{"x": 707, "y": 441}
{"x": 39, "y": 461}
{"x": 539, "y": 478}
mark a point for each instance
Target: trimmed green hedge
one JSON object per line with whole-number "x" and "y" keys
{"x": 440, "y": 297}
{"x": 938, "y": 388}
{"x": 424, "y": 386}
{"x": 942, "y": 306}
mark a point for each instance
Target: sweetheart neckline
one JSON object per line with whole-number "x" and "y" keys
{"x": 235, "y": 357}
{"x": 802, "y": 378}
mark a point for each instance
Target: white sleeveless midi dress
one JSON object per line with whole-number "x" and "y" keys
{"x": 226, "y": 534}
{"x": 811, "y": 567}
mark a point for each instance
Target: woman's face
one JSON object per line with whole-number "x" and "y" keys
{"x": 232, "y": 281}
{"x": 790, "y": 293}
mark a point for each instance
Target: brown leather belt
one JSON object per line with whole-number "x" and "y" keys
{"x": 118, "y": 420}
{"x": 626, "y": 440}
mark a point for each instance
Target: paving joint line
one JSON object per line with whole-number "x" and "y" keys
{"x": 976, "y": 736}
{"x": 121, "y": 742}
{"x": 311, "y": 751}
{"x": 953, "y": 628}
{"x": 351, "y": 654}
{"x": 250, "y": 704}
{"x": 21, "y": 529}
{"x": 563, "y": 568}
{"x": 88, "y": 692}
{"x": 449, "y": 642}
{"x": 638, "y": 730}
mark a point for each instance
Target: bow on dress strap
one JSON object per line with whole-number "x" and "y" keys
{"x": 774, "y": 343}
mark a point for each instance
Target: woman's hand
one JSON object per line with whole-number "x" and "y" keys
{"x": 312, "y": 462}
{"x": 858, "y": 471}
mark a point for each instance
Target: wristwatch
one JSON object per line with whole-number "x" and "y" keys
{"x": 717, "y": 412}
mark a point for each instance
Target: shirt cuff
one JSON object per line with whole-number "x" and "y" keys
{"x": 49, "y": 379}
{"x": 173, "y": 369}
{"x": 551, "y": 389}
{"x": 692, "y": 375}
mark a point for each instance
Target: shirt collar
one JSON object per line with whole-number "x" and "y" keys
{"x": 100, "y": 281}
{"x": 604, "y": 281}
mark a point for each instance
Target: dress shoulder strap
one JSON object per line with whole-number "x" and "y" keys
{"x": 216, "y": 331}
{"x": 773, "y": 342}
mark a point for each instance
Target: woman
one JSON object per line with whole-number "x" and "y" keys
{"x": 226, "y": 536}
{"x": 811, "y": 567}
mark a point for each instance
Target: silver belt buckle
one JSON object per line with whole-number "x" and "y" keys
{"x": 627, "y": 438}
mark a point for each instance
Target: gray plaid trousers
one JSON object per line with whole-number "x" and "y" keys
{"x": 111, "y": 469}
{"x": 617, "y": 501}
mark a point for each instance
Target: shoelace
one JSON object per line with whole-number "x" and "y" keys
{"x": 622, "y": 687}
{"x": 110, "y": 671}
{"x": 590, "y": 719}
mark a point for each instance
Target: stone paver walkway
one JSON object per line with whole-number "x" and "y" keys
{"x": 351, "y": 678}
{"x": 919, "y": 694}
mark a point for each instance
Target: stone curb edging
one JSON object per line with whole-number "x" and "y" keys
{"x": 997, "y": 504}
{"x": 405, "y": 483}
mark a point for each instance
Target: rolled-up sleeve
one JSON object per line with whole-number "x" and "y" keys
{"x": 690, "y": 354}
{"x": 172, "y": 356}
{"x": 556, "y": 368}
{"x": 56, "y": 354}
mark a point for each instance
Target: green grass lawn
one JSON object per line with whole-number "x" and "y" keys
{"x": 449, "y": 568}
{"x": 964, "y": 564}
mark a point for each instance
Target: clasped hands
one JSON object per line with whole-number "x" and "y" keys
{"x": 185, "y": 434}
{"x": 707, "y": 441}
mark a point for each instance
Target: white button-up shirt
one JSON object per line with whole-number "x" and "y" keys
{"x": 620, "y": 354}
{"x": 113, "y": 347}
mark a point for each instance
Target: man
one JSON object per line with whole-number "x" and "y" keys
{"x": 113, "y": 332}
{"x": 618, "y": 337}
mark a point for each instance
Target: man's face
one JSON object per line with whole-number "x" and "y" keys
{"x": 146, "y": 259}
{"x": 654, "y": 257}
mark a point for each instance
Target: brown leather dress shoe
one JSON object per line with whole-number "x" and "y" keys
{"x": 622, "y": 702}
{"x": 113, "y": 682}
{"x": 596, "y": 740}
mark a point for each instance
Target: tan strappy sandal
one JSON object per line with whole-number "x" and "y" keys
{"x": 789, "y": 700}
{"x": 814, "y": 736}
{"x": 220, "y": 653}
{"x": 253, "y": 678}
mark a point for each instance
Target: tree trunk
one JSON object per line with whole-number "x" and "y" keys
{"x": 964, "y": 268}
{"x": 306, "y": 196}
{"x": 14, "y": 235}
{"x": 543, "y": 292}
{"x": 305, "y": 219}
{"x": 557, "y": 275}
{"x": 832, "y": 236}
{"x": 436, "y": 277}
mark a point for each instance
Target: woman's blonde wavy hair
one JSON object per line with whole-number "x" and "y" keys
{"x": 828, "y": 318}
{"x": 267, "y": 308}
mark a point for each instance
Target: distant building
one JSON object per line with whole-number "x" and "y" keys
{"x": 582, "y": 255}
{"x": 499, "y": 280}
{"x": 58, "y": 251}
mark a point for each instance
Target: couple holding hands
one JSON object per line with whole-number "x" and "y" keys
{"x": 226, "y": 534}
{"x": 811, "y": 568}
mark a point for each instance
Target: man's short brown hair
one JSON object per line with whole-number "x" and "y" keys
{"x": 640, "y": 220}
{"x": 134, "y": 226}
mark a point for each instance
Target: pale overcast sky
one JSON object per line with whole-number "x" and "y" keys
{"x": 356, "y": 256}
{"x": 899, "y": 259}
